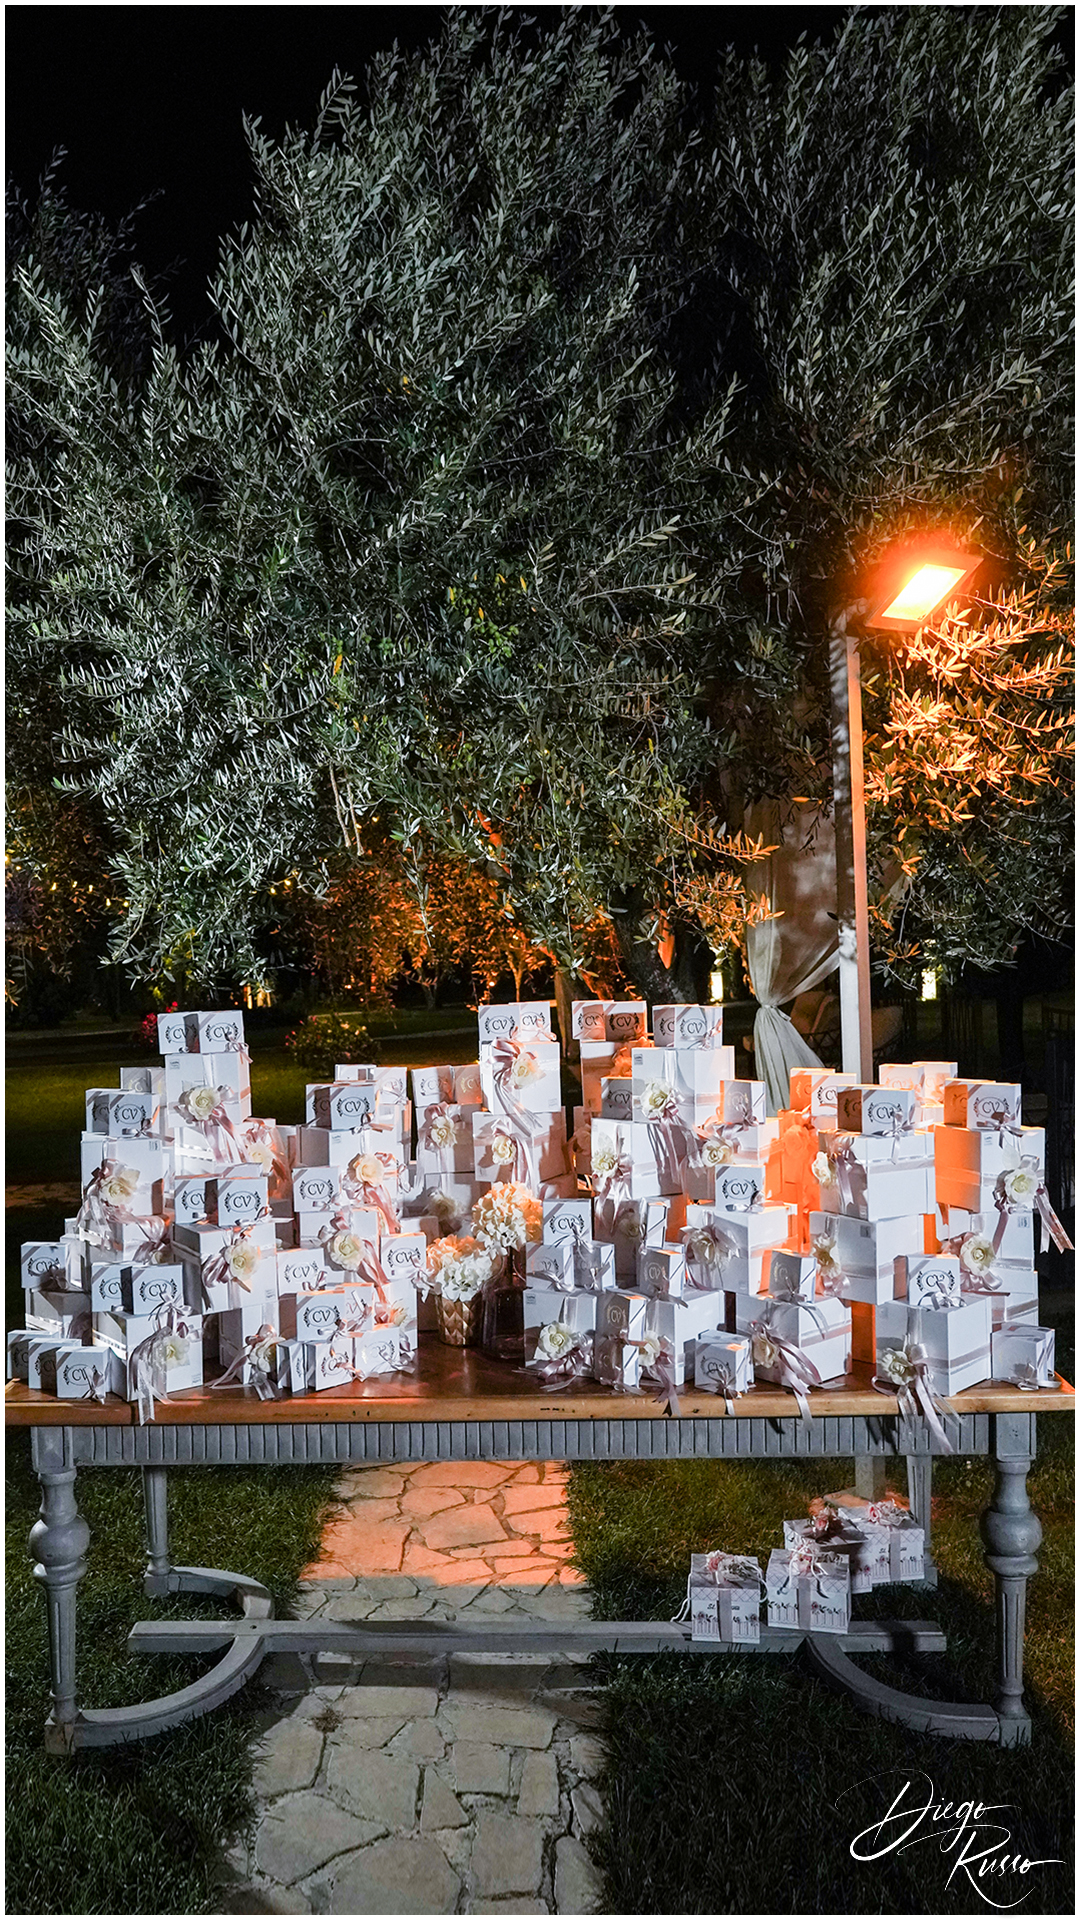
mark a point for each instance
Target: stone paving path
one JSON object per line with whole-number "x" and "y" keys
{"x": 455, "y": 1785}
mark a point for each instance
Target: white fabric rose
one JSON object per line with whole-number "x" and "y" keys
{"x": 345, "y": 1250}
{"x": 824, "y": 1252}
{"x": 893, "y": 1365}
{"x": 525, "y": 1069}
{"x": 716, "y": 1153}
{"x": 120, "y": 1187}
{"x": 442, "y": 1131}
{"x": 822, "y": 1170}
{"x": 604, "y": 1162}
{"x": 1021, "y": 1186}
{"x": 503, "y": 1150}
{"x": 977, "y": 1253}
{"x": 763, "y": 1349}
{"x": 655, "y": 1099}
{"x": 243, "y": 1260}
{"x": 555, "y": 1340}
{"x": 201, "y": 1102}
{"x": 367, "y": 1170}
{"x": 650, "y": 1349}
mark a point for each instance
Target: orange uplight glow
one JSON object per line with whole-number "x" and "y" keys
{"x": 925, "y": 591}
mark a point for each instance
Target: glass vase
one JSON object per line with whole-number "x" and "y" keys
{"x": 504, "y": 1311}
{"x": 460, "y": 1321}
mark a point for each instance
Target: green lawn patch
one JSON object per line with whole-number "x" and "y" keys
{"x": 736, "y": 1783}
{"x": 139, "y": 1829}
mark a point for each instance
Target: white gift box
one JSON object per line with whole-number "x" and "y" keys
{"x": 332, "y": 1363}
{"x": 237, "y": 1324}
{"x": 630, "y": 1225}
{"x": 816, "y": 1090}
{"x": 43, "y": 1263}
{"x": 982, "y": 1104}
{"x": 695, "y": 1073}
{"x": 567, "y": 1219}
{"x": 927, "y": 1080}
{"x": 1024, "y": 1355}
{"x": 688, "y": 1026}
{"x": 19, "y": 1340}
{"x": 321, "y": 1229}
{"x": 956, "y": 1340}
{"x": 403, "y": 1257}
{"x": 56, "y": 1310}
{"x": 661, "y": 1270}
{"x": 316, "y": 1189}
{"x": 138, "y": 1237}
{"x": 239, "y": 1195}
{"x": 121, "y": 1333}
{"x": 382, "y": 1350}
{"x": 926, "y": 1278}
{"x": 792, "y": 1276}
{"x": 122, "y": 1112}
{"x": 335, "y": 1147}
{"x": 534, "y": 1081}
{"x": 875, "y": 1179}
{"x": 144, "y": 1080}
{"x": 723, "y": 1363}
{"x": 969, "y": 1162}
{"x": 174, "y": 1035}
{"x": 199, "y": 1245}
{"x": 492, "y": 1157}
{"x": 42, "y": 1352}
{"x": 620, "y": 1021}
{"x": 897, "y": 1545}
{"x": 881, "y": 1111}
{"x": 616, "y": 1100}
{"x": 587, "y": 1020}
{"x": 814, "y": 1602}
{"x": 739, "y": 1186}
{"x": 343, "y": 1106}
{"x": 735, "y": 1253}
{"x": 106, "y": 1286}
{"x": 526, "y": 1020}
{"x": 847, "y": 1541}
{"x": 221, "y": 1032}
{"x": 390, "y": 1082}
{"x": 594, "y": 1265}
{"x": 431, "y": 1087}
{"x": 82, "y": 1373}
{"x": 620, "y": 1319}
{"x": 301, "y": 1270}
{"x": 452, "y": 1201}
{"x": 186, "y": 1071}
{"x": 435, "y": 1154}
{"x": 682, "y": 1319}
{"x": 294, "y": 1366}
{"x": 821, "y": 1331}
{"x": 1016, "y": 1247}
{"x": 865, "y": 1251}
{"x": 724, "y": 1591}
{"x": 192, "y": 1198}
{"x": 553, "y": 1262}
{"x": 150, "y": 1158}
{"x": 545, "y": 1306}
{"x": 76, "y": 1255}
{"x": 145, "y": 1289}
{"x": 319, "y": 1316}
{"x": 598, "y": 1057}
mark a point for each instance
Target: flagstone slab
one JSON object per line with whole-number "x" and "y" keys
{"x": 519, "y": 1499}
{"x": 538, "y": 1790}
{"x": 577, "y": 1882}
{"x": 462, "y": 1473}
{"x": 302, "y": 1832}
{"x": 361, "y": 1545}
{"x": 519, "y": 1726}
{"x": 441, "y": 1808}
{"x": 399, "y": 1875}
{"x": 412, "y": 1703}
{"x": 480, "y": 1767}
{"x": 467, "y": 1526}
{"x": 287, "y": 1758}
{"x": 372, "y": 1483}
{"x": 507, "y": 1855}
{"x": 375, "y": 1786}
{"x": 424, "y": 1501}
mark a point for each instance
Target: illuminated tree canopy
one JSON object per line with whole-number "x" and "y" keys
{"x": 552, "y": 417}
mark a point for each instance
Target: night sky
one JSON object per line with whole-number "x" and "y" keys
{"x": 149, "y": 99}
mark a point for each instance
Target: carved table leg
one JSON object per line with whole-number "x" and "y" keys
{"x": 58, "y": 1543}
{"x": 1011, "y": 1534}
{"x": 155, "y": 1498}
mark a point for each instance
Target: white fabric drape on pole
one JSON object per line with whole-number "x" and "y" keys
{"x": 795, "y": 951}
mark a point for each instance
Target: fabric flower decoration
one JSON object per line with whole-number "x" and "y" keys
{"x": 526, "y": 1068}
{"x": 174, "y": 1350}
{"x": 555, "y": 1340}
{"x": 656, "y": 1099}
{"x": 977, "y": 1253}
{"x": 446, "y": 1209}
{"x": 503, "y": 1150}
{"x": 390, "y": 1316}
{"x": 243, "y": 1261}
{"x": 824, "y": 1251}
{"x": 822, "y": 1170}
{"x": 441, "y": 1131}
{"x": 763, "y": 1348}
{"x": 462, "y": 1279}
{"x": 604, "y": 1162}
{"x": 716, "y": 1153}
{"x": 894, "y": 1365}
{"x": 198, "y": 1103}
{"x": 367, "y": 1170}
{"x": 1020, "y": 1186}
{"x": 345, "y": 1250}
{"x": 120, "y": 1187}
{"x": 628, "y": 1228}
{"x": 651, "y": 1348}
{"x": 261, "y": 1153}
{"x": 508, "y": 1216}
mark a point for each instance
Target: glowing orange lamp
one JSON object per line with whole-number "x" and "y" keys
{"x": 917, "y": 583}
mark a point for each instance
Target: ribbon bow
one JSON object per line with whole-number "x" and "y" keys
{"x": 256, "y": 1133}
{"x": 440, "y": 1110}
{"x": 557, "y": 1371}
{"x": 149, "y": 1251}
{"x": 907, "y": 1376}
{"x": 1001, "y": 1122}
{"x": 373, "y": 1193}
{"x": 220, "y": 1268}
{"x": 256, "y": 1354}
{"x": 944, "y": 1294}
{"x": 216, "y": 1127}
{"x": 97, "y": 1217}
{"x": 779, "y": 1356}
{"x": 848, "y": 1172}
{"x": 887, "y": 1513}
{"x": 660, "y": 1372}
{"x": 711, "y": 1248}
{"x": 831, "y": 1277}
{"x": 725, "y": 1378}
{"x": 148, "y": 1362}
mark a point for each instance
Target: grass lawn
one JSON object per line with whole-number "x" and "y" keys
{"x": 139, "y": 1830}
{"x": 736, "y": 1783}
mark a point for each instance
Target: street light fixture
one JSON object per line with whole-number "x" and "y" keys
{"x": 912, "y": 586}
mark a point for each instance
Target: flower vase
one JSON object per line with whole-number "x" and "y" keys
{"x": 461, "y": 1322}
{"x": 504, "y": 1311}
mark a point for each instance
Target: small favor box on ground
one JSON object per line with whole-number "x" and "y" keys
{"x": 1024, "y": 1355}
{"x": 956, "y": 1340}
{"x": 817, "y": 1600}
{"x": 724, "y": 1591}
{"x": 722, "y": 1364}
{"x": 849, "y": 1540}
{"x": 896, "y": 1541}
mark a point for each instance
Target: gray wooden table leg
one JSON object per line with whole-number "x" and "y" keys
{"x": 58, "y": 1543}
{"x": 870, "y": 1481}
{"x": 1011, "y": 1534}
{"x": 920, "y": 1467}
{"x": 155, "y": 1499}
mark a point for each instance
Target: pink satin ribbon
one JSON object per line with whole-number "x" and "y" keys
{"x": 255, "y": 1133}
{"x": 254, "y": 1354}
{"x": 917, "y": 1396}
{"x": 96, "y": 1217}
{"x": 795, "y": 1371}
{"x": 218, "y": 1269}
{"x": 147, "y": 1371}
{"x": 373, "y": 1193}
{"x": 218, "y": 1130}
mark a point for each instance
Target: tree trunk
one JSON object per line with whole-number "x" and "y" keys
{"x": 692, "y": 965}
{"x": 641, "y": 960}
{"x": 568, "y": 988}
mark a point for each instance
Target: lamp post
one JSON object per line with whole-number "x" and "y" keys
{"x": 913, "y": 586}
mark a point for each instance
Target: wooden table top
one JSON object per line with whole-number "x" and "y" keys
{"x": 456, "y": 1383}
